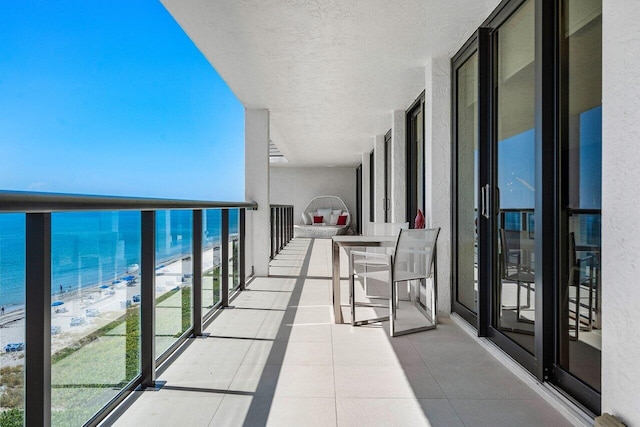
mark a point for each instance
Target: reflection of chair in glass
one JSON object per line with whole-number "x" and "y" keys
{"x": 412, "y": 263}
{"x": 517, "y": 266}
{"x": 582, "y": 278}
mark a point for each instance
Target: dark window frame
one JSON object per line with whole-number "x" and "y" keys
{"x": 548, "y": 121}
{"x": 412, "y": 161}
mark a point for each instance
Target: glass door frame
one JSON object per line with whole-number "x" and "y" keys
{"x": 548, "y": 279}
{"x": 415, "y": 157}
{"x": 470, "y": 48}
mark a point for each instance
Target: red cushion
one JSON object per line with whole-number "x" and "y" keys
{"x": 342, "y": 220}
{"x": 317, "y": 219}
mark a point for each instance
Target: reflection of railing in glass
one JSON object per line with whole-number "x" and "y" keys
{"x": 103, "y": 288}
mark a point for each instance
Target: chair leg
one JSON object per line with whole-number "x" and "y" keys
{"x": 518, "y": 301}
{"x": 352, "y": 298}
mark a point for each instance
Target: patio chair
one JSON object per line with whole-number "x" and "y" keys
{"x": 412, "y": 263}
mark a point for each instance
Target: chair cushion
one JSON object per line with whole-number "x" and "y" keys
{"x": 326, "y": 213}
{"x": 306, "y": 220}
{"x": 334, "y": 219}
{"x": 336, "y": 212}
{"x": 342, "y": 220}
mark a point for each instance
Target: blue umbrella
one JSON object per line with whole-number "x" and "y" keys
{"x": 128, "y": 278}
{"x": 56, "y": 303}
{"x": 104, "y": 287}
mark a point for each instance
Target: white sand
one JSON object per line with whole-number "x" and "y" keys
{"x": 110, "y": 306}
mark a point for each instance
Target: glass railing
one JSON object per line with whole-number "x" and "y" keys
{"x": 281, "y": 227}
{"x": 12, "y": 318}
{"x": 211, "y": 244}
{"x": 110, "y": 293}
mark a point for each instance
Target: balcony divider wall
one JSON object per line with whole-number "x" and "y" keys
{"x": 39, "y": 209}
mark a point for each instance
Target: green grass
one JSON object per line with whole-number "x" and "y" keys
{"x": 88, "y": 373}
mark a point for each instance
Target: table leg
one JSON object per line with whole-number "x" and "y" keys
{"x": 337, "y": 308}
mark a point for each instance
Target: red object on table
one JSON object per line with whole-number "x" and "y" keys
{"x": 419, "y": 222}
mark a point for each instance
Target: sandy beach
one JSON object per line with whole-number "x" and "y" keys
{"x": 90, "y": 308}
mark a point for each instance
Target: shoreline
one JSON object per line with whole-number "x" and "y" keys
{"x": 107, "y": 301}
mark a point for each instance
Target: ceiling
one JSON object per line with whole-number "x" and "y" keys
{"x": 329, "y": 71}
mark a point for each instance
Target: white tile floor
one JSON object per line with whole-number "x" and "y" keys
{"x": 278, "y": 359}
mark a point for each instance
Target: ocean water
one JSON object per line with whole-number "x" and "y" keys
{"x": 88, "y": 248}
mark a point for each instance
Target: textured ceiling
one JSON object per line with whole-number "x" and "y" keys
{"x": 329, "y": 71}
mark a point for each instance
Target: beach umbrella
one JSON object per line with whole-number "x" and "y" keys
{"x": 57, "y": 303}
{"x": 104, "y": 286}
{"x": 128, "y": 278}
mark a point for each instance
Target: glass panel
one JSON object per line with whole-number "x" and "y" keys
{"x": 12, "y": 318}
{"x": 581, "y": 331}
{"x": 516, "y": 175}
{"x": 387, "y": 177}
{"x": 210, "y": 260}
{"x": 415, "y": 159}
{"x": 419, "y": 164}
{"x": 467, "y": 182}
{"x": 95, "y": 316}
{"x": 173, "y": 276}
{"x": 234, "y": 246}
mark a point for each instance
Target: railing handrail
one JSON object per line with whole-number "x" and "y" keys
{"x": 36, "y": 202}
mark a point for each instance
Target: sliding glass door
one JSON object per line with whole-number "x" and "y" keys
{"x": 527, "y": 166}
{"x": 465, "y": 183}
{"x": 415, "y": 159}
{"x": 579, "y": 299}
{"x": 514, "y": 311}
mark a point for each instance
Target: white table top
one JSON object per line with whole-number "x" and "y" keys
{"x": 363, "y": 239}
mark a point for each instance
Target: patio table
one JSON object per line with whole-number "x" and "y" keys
{"x": 351, "y": 241}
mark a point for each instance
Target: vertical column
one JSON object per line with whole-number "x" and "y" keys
{"x": 196, "y": 281}
{"x": 38, "y": 325}
{"x": 366, "y": 188}
{"x": 398, "y": 166}
{"x": 437, "y": 125}
{"x": 620, "y": 195}
{"x": 224, "y": 258}
{"x": 257, "y": 187}
{"x": 148, "y": 299}
{"x": 379, "y": 185}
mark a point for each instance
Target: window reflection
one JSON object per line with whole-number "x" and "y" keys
{"x": 581, "y": 326}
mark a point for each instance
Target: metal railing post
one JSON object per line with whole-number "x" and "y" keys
{"x": 272, "y": 220}
{"x": 38, "y": 320}
{"x": 148, "y": 299}
{"x": 196, "y": 277}
{"x": 224, "y": 258}
{"x": 241, "y": 251}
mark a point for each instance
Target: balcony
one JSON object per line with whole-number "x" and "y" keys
{"x": 276, "y": 357}
{"x": 182, "y": 328}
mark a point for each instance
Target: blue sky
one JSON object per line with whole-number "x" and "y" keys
{"x": 111, "y": 97}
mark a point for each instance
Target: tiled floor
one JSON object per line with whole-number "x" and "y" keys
{"x": 278, "y": 359}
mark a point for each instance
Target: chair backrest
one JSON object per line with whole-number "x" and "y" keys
{"x": 384, "y": 228}
{"x": 415, "y": 251}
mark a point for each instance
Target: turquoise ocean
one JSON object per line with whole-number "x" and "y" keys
{"x": 89, "y": 248}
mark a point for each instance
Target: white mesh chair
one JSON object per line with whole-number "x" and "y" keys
{"x": 412, "y": 264}
{"x": 378, "y": 229}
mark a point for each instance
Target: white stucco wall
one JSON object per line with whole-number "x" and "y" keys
{"x": 398, "y": 166}
{"x": 256, "y": 188}
{"x": 297, "y": 186}
{"x": 366, "y": 187}
{"x": 620, "y": 210}
{"x": 437, "y": 131}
